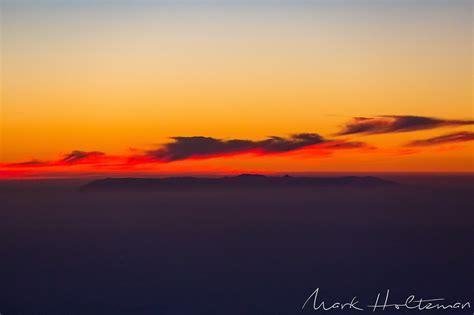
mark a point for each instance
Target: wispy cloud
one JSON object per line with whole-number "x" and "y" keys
{"x": 456, "y": 137}
{"x": 73, "y": 158}
{"x": 348, "y": 145}
{"x": 27, "y": 163}
{"x": 397, "y": 123}
{"x": 81, "y": 157}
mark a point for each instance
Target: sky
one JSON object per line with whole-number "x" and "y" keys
{"x": 126, "y": 86}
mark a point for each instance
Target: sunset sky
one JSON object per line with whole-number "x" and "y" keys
{"x": 104, "y": 87}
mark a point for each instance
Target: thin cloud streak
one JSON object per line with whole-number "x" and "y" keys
{"x": 397, "y": 123}
{"x": 463, "y": 136}
{"x": 81, "y": 156}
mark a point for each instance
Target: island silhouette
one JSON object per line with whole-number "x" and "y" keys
{"x": 239, "y": 181}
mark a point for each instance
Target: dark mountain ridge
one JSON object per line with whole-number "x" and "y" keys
{"x": 240, "y": 181}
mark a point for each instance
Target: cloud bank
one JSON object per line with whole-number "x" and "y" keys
{"x": 183, "y": 148}
{"x": 206, "y": 147}
{"x": 197, "y": 147}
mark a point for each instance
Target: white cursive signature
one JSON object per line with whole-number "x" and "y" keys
{"x": 411, "y": 303}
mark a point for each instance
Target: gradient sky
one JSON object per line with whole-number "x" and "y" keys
{"x": 125, "y": 76}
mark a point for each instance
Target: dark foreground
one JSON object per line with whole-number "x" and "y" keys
{"x": 251, "y": 251}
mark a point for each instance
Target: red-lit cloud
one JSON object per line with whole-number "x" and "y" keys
{"x": 180, "y": 149}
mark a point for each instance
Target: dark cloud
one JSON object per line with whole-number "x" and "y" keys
{"x": 395, "y": 123}
{"x": 462, "y": 136}
{"x": 200, "y": 147}
{"x": 80, "y": 156}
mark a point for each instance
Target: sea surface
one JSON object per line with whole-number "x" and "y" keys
{"x": 236, "y": 251}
